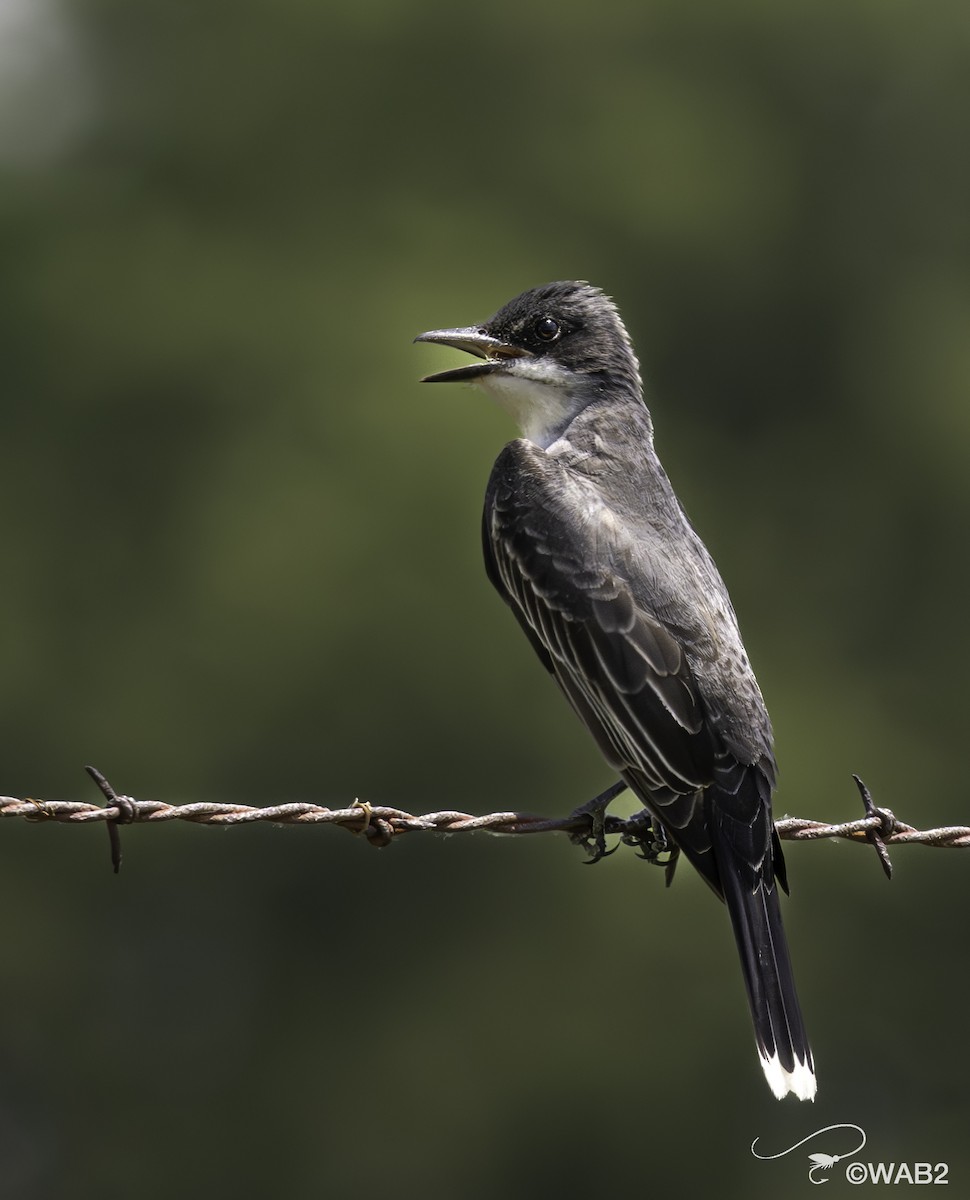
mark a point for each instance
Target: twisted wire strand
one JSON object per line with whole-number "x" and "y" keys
{"x": 380, "y": 824}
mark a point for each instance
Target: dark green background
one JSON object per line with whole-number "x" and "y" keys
{"x": 240, "y": 562}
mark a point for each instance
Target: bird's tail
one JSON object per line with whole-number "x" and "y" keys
{"x": 779, "y": 1030}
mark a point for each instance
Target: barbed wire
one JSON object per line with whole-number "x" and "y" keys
{"x": 380, "y": 824}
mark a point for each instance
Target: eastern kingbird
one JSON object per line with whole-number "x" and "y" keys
{"x": 587, "y": 543}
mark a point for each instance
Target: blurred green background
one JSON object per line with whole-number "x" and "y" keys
{"x": 240, "y": 557}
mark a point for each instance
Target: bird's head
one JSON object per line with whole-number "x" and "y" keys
{"x": 546, "y": 355}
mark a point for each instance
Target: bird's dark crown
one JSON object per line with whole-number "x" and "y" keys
{"x": 574, "y": 323}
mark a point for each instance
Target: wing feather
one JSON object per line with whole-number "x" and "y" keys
{"x": 624, "y": 663}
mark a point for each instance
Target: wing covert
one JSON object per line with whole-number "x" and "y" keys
{"x": 622, "y": 669}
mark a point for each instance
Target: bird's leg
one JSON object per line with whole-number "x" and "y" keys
{"x": 652, "y": 844}
{"x": 594, "y": 842}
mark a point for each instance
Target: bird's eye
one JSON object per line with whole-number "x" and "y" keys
{"x": 547, "y": 328}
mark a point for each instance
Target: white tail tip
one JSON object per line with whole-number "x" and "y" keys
{"x": 800, "y": 1081}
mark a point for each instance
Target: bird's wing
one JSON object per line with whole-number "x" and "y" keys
{"x": 624, "y": 669}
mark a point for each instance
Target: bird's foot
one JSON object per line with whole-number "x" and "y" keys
{"x": 650, "y": 840}
{"x": 593, "y": 839}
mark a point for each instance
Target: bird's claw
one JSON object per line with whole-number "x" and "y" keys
{"x": 594, "y": 843}
{"x": 651, "y": 843}
{"x": 593, "y": 840}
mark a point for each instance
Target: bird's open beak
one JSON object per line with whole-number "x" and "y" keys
{"x": 474, "y": 340}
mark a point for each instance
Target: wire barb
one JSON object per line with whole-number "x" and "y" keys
{"x": 381, "y": 825}
{"x": 123, "y": 808}
{"x": 887, "y": 823}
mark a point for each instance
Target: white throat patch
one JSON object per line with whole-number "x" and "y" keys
{"x": 538, "y": 394}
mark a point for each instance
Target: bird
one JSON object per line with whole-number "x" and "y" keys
{"x": 586, "y": 541}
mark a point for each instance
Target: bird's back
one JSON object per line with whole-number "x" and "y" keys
{"x": 597, "y": 510}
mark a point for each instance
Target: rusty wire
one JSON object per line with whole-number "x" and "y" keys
{"x": 381, "y": 824}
